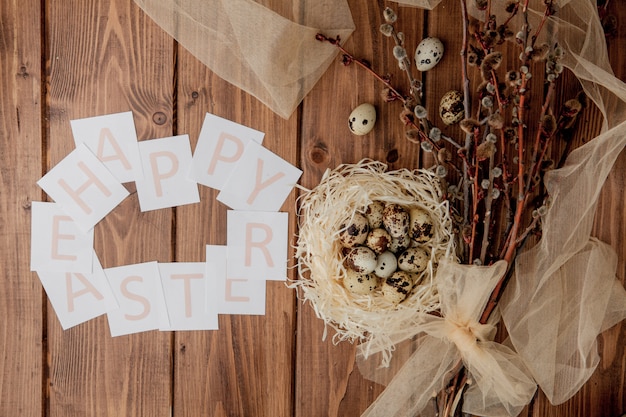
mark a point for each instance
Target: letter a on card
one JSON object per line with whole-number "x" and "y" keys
{"x": 140, "y": 296}
{"x": 57, "y": 243}
{"x": 113, "y": 139}
{"x": 261, "y": 181}
{"x": 257, "y": 245}
{"x": 166, "y": 164}
{"x": 220, "y": 145}
{"x": 83, "y": 187}
{"x": 77, "y": 297}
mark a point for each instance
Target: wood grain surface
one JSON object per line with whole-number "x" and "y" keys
{"x": 71, "y": 59}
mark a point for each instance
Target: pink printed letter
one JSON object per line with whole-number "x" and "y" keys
{"x": 260, "y": 245}
{"x": 158, "y": 176}
{"x": 144, "y": 301}
{"x": 105, "y": 133}
{"x": 56, "y": 236}
{"x": 217, "y": 156}
{"x": 93, "y": 180}
{"x": 187, "y": 282}
{"x": 89, "y": 289}
{"x": 259, "y": 185}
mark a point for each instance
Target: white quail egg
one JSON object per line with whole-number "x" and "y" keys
{"x": 374, "y": 214}
{"x": 362, "y": 119}
{"x": 396, "y": 220}
{"x": 360, "y": 283}
{"x": 354, "y": 231}
{"x": 386, "y": 264}
{"x": 451, "y": 108}
{"x": 361, "y": 259}
{"x": 413, "y": 260}
{"x": 397, "y": 287}
{"x": 428, "y": 53}
{"x": 421, "y": 228}
{"x": 378, "y": 240}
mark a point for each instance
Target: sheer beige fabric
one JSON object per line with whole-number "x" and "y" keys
{"x": 270, "y": 53}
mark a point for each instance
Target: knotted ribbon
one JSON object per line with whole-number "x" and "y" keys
{"x": 500, "y": 382}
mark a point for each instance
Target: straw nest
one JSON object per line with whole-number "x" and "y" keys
{"x": 369, "y": 319}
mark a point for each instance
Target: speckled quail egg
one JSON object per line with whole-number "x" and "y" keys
{"x": 354, "y": 231}
{"x": 397, "y": 287}
{"x": 374, "y": 214}
{"x": 396, "y": 220}
{"x": 360, "y": 283}
{"x": 400, "y": 244}
{"x": 428, "y": 53}
{"x": 362, "y": 119}
{"x": 451, "y": 109}
{"x": 361, "y": 259}
{"x": 421, "y": 228}
{"x": 386, "y": 264}
{"x": 378, "y": 240}
{"x": 413, "y": 260}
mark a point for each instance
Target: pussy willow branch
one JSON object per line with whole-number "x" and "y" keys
{"x": 467, "y": 109}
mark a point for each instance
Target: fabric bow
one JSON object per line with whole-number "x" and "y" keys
{"x": 500, "y": 382}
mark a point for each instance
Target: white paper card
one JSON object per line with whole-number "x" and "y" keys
{"x": 165, "y": 182}
{"x": 83, "y": 187}
{"x": 113, "y": 139}
{"x": 78, "y": 297}
{"x": 220, "y": 145}
{"x": 138, "y": 291}
{"x": 184, "y": 286}
{"x": 257, "y": 245}
{"x": 261, "y": 181}
{"x": 232, "y": 295}
{"x": 57, "y": 243}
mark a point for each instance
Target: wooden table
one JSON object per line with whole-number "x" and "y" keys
{"x": 69, "y": 59}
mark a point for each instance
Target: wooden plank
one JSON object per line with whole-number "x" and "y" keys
{"x": 328, "y": 381}
{"x": 21, "y": 343}
{"x": 106, "y": 57}
{"x": 245, "y": 367}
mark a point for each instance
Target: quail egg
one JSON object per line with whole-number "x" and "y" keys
{"x": 451, "y": 109}
{"x": 354, "y": 231}
{"x": 361, "y": 259}
{"x": 386, "y": 265}
{"x": 413, "y": 260}
{"x": 374, "y": 214}
{"x": 378, "y": 240}
{"x": 421, "y": 228}
{"x": 397, "y": 287}
{"x": 428, "y": 53}
{"x": 360, "y": 283}
{"x": 396, "y": 220}
{"x": 400, "y": 244}
{"x": 362, "y": 119}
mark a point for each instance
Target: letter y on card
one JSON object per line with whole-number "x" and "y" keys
{"x": 261, "y": 181}
{"x": 83, "y": 187}
{"x": 113, "y": 139}
{"x": 166, "y": 163}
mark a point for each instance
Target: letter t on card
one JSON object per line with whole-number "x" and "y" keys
{"x": 83, "y": 187}
{"x": 261, "y": 181}
{"x": 257, "y": 245}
